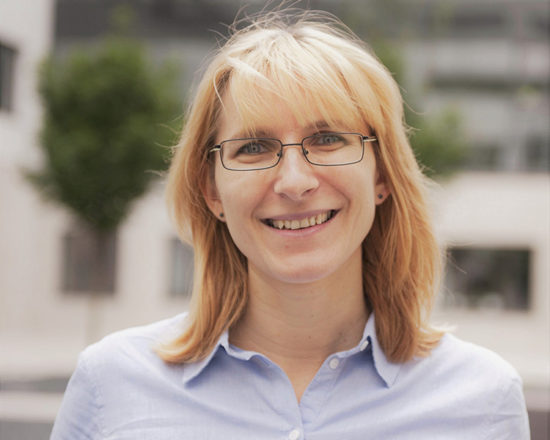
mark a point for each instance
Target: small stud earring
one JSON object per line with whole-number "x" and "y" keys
{"x": 380, "y": 196}
{"x": 221, "y": 214}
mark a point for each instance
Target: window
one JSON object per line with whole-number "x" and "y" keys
{"x": 464, "y": 20}
{"x": 89, "y": 262}
{"x": 539, "y": 23}
{"x": 181, "y": 274}
{"x": 537, "y": 152}
{"x": 487, "y": 278}
{"x": 481, "y": 20}
{"x": 7, "y": 61}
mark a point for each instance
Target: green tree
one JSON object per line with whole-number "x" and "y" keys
{"x": 109, "y": 120}
{"x": 438, "y": 140}
{"x": 107, "y": 125}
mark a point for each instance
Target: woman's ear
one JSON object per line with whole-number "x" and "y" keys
{"x": 381, "y": 189}
{"x": 211, "y": 196}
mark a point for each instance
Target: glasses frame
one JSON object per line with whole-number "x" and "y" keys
{"x": 219, "y": 147}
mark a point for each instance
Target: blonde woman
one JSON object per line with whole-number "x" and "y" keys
{"x": 315, "y": 269}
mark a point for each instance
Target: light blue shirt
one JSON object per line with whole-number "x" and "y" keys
{"x": 122, "y": 390}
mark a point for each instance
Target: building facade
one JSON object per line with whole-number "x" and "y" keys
{"x": 488, "y": 61}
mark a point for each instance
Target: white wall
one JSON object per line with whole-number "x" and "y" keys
{"x": 503, "y": 211}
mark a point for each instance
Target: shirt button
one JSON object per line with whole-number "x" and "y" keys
{"x": 294, "y": 434}
{"x": 333, "y": 363}
{"x": 364, "y": 345}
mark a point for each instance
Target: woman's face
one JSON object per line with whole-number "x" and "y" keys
{"x": 253, "y": 201}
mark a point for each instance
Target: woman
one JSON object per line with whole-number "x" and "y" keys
{"x": 315, "y": 269}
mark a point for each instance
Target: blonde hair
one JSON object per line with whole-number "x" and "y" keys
{"x": 312, "y": 61}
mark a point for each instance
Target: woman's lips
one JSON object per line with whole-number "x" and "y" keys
{"x": 302, "y": 223}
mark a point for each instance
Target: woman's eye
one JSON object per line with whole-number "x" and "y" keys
{"x": 252, "y": 148}
{"x": 327, "y": 139}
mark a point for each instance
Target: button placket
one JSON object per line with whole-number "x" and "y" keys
{"x": 294, "y": 434}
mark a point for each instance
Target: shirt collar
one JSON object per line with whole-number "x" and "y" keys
{"x": 193, "y": 369}
{"x": 387, "y": 370}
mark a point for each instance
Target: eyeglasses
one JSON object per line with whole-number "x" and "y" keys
{"x": 323, "y": 149}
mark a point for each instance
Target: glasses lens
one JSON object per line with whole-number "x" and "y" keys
{"x": 250, "y": 154}
{"x": 334, "y": 148}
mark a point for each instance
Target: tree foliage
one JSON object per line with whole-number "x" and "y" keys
{"x": 109, "y": 118}
{"x": 437, "y": 140}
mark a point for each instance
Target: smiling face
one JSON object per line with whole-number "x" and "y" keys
{"x": 296, "y": 222}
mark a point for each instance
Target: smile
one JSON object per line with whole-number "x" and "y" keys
{"x": 303, "y": 223}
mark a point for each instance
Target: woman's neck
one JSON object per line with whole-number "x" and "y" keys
{"x": 302, "y": 322}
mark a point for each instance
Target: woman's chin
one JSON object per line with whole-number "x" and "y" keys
{"x": 296, "y": 273}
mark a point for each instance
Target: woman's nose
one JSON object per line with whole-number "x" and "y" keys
{"x": 295, "y": 175}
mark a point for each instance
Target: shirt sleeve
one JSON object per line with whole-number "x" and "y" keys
{"x": 510, "y": 420}
{"x": 78, "y": 417}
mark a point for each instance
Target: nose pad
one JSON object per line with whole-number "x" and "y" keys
{"x": 300, "y": 153}
{"x": 304, "y": 152}
{"x": 295, "y": 174}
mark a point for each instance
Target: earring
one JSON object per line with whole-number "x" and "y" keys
{"x": 380, "y": 196}
{"x": 221, "y": 215}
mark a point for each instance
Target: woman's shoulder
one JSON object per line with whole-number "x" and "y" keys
{"x": 465, "y": 389}
{"x": 473, "y": 375}
{"x": 482, "y": 382}
{"x": 133, "y": 344}
{"x": 453, "y": 353}
{"x": 116, "y": 377}
{"x": 464, "y": 371}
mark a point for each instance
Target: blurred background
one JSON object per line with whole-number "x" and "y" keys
{"x": 92, "y": 93}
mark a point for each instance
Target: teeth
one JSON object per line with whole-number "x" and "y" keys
{"x": 303, "y": 223}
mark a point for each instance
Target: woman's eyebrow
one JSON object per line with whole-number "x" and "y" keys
{"x": 267, "y": 132}
{"x": 322, "y": 124}
{"x": 319, "y": 124}
{"x": 252, "y": 133}
{"x": 263, "y": 132}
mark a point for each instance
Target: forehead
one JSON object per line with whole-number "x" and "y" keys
{"x": 273, "y": 116}
{"x": 256, "y": 112}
